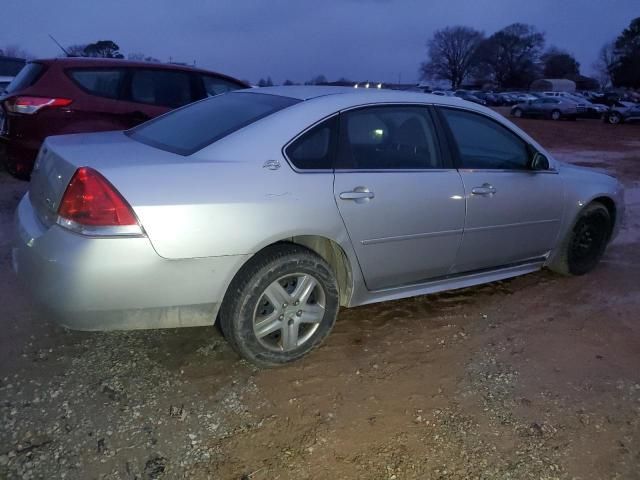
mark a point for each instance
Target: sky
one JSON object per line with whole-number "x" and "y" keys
{"x": 375, "y": 40}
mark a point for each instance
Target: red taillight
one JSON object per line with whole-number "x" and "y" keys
{"x": 92, "y": 201}
{"x": 29, "y": 105}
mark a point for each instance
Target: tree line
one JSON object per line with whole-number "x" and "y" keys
{"x": 515, "y": 56}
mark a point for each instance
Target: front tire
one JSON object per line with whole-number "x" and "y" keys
{"x": 585, "y": 243}
{"x": 280, "y": 306}
{"x": 556, "y": 115}
{"x": 517, "y": 113}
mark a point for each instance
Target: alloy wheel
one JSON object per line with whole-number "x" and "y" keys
{"x": 289, "y": 312}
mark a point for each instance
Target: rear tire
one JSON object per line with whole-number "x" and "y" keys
{"x": 584, "y": 245}
{"x": 280, "y": 306}
{"x": 614, "y": 119}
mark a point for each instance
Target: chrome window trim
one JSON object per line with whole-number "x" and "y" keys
{"x": 369, "y": 170}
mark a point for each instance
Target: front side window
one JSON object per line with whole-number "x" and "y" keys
{"x": 189, "y": 129}
{"x": 387, "y": 138}
{"x": 315, "y": 149}
{"x": 483, "y": 143}
{"x": 216, "y": 85}
{"x": 101, "y": 82}
{"x": 167, "y": 88}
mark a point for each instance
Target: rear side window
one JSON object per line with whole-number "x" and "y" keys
{"x": 168, "y": 88}
{"x": 483, "y": 143}
{"x": 101, "y": 82}
{"x": 314, "y": 150}
{"x": 192, "y": 128}
{"x": 27, "y": 77}
{"x": 215, "y": 85}
{"x": 387, "y": 138}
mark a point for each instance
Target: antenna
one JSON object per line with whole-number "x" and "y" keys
{"x": 58, "y": 43}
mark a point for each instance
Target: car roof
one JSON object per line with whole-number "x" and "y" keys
{"x": 70, "y": 62}
{"x": 359, "y": 95}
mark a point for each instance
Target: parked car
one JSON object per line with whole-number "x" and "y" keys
{"x": 488, "y": 97}
{"x": 5, "y": 80}
{"x": 73, "y": 95}
{"x": 443, "y": 93}
{"x": 548, "y": 107}
{"x": 469, "y": 97}
{"x": 507, "y": 99}
{"x": 623, "y": 114}
{"x": 9, "y": 68}
{"x": 250, "y": 207}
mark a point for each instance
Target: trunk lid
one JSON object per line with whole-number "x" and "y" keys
{"x": 61, "y": 156}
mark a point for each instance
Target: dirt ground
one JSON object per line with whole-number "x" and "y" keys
{"x": 533, "y": 378}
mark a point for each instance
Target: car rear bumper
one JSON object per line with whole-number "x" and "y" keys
{"x": 115, "y": 283}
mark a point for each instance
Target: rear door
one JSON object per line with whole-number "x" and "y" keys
{"x": 152, "y": 91}
{"x": 102, "y": 106}
{"x": 401, "y": 201}
{"x": 513, "y": 212}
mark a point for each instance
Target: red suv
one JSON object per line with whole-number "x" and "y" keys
{"x": 74, "y": 95}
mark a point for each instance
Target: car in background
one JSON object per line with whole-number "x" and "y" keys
{"x": 628, "y": 114}
{"x": 489, "y": 97}
{"x": 507, "y": 98}
{"x": 546, "y": 107}
{"x": 9, "y": 68}
{"x": 5, "y": 80}
{"x": 443, "y": 93}
{"x": 522, "y": 97}
{"x": 76, "y": 95}
{"x": 266, "y": 210}
{"x": 469, "y": 97}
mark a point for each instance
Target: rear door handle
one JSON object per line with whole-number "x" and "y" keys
{"x": 358, "y": 194}
{"x": 484, "y": 189}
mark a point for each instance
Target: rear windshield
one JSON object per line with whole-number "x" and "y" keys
{"x": 27, "y": 77}
{"x": 189, "y": 129}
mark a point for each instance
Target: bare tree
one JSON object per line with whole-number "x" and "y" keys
{"x": 452, "y": 54}
{"x": 141, "y": 57}
{"x": 604, "y": 64}
{"x": 14, "y": 51}
{"x": 511, "y": 56}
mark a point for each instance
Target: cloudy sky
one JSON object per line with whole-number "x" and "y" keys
{"x": 378, "y": 40}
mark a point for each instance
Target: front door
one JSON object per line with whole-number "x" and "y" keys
{"x": 513, "y": 212}
{"x": 402, "y": 206}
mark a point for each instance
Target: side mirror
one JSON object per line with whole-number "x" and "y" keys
{"x": 539, "y": 162}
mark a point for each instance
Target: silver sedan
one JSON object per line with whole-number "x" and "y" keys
{"x": 269, "y": 210}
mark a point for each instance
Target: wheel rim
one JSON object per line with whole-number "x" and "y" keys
{"x": 613, "y": 119}
{"x": 518, "y": 113}
{"x": 590, "y": 235}
{"x": 555, "y": 115}
{"x": 289, "y": 312}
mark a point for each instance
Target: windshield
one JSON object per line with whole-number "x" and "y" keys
{"x": 191, "y": 128}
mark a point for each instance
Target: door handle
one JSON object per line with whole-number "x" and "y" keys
{"x": 484, "y": 189}
{"x": 358, "y": 194}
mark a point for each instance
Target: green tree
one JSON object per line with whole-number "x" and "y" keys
{"x": 103, "y": 49}
{"x": 510, "y": 57}
{"x": 625, "y": 67}
{"x": 559, "y": 64}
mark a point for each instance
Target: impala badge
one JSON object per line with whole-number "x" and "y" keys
{"x": 271, "y": 164}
